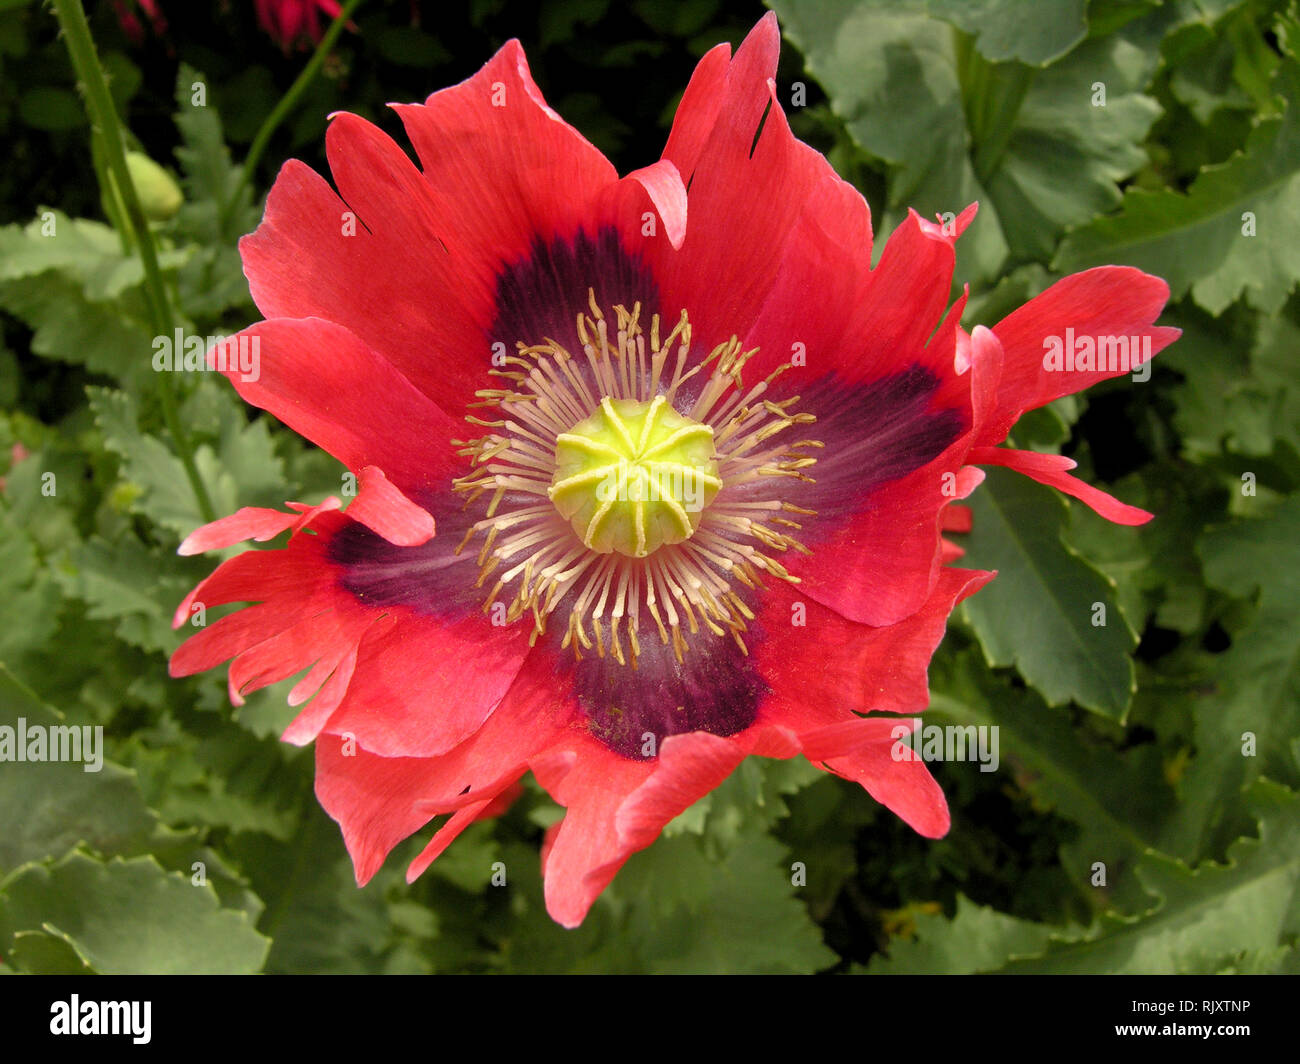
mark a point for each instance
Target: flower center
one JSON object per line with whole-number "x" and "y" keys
{"x": 624, "y": 500}
{"x": 634, "y": 476}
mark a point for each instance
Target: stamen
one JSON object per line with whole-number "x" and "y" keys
{"x": 563, "y": 427}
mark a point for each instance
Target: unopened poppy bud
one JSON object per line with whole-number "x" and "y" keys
{"x": 160, "y": 196}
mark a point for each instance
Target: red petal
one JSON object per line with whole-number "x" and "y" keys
{"x": 250, "y": 522}
{"x": 379, "y": 801}
{"x": 950, "y": 231}
{"x": 510, "y": 171}
{"x": 949, "y": 552}
{"x": 658, "y": 187}
{"x": 828, "y": 667}
{"x": 905, "y": 787}
{"x": 698, "y": 110}
{"x": 288, "y": 584}
{"x": 871, "y": 752}
{"x": 325, "y": 384}
{"x": 420, "y": 684}
{"x": 901, "y": 304}
{"x": 1109, "y": 301}
{"x": 394, "y": 287}
{"x": 409, "y": 262}
{"x": 690, "y": 766}
{"x": 385, "y": 510}
{"x": 428, "y": 683}
{"x": 829, "y": 252}
{"x": 445, "y": 836}
{"x": 882, "y": 564}
{"x": 982, "y": 355}
{"x": 328, "y": 683}
{"x": 734, "y": 246}
{"x": 302, "y": 621}
{"x": 958, "y": 518}
{"x": 663, "y": 184}
{"x": 1050, "y": 469}
{"x": 615, "y": 807}
{"x": 502, "y": 802}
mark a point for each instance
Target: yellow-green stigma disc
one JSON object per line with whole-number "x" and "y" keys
{"x": 634, "y": 476}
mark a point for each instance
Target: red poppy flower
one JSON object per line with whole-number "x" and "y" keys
{"x": 295, "y": 23}
{"x": 130, "y": 21}
{"x": 698, "y": 512}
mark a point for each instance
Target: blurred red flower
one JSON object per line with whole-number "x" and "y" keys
{"x": 130, "y": 21}
{"x": 295, "y": 23}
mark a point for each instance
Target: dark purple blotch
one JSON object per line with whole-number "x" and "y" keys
{"x": 874, "y": 434}
{"x": 715, "y": 688}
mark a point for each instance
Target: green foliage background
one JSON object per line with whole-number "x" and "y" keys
{"x": 1120, "y": 744}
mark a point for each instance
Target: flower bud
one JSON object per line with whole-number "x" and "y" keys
{"x": 160, "y": 196}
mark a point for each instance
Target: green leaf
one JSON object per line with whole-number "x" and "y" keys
{"x": 215, "y": 774}
{"x": 130, "y": 917}
{"x": 1172, "y": 578}
{"x": 1276, "y": 371}
{"x": 694, "y": 911}
{"x": 51, "y": 806}
{"x": 56, "y": 242}
{"x": 126, "y": 582}
{"x": 1209, "y": 918}
{"x": 212, "y": 281}
{"x": 240, "y": 468}
{"x": 40, "y": 953}
{"x": 51, "y": 108}
{"x": 681, "y": 906}
{"x": 1038, "y": 614}
{"x": 1034, "y": 33}
{"x": 317, "y": 916}
{"x": 1047, "y": 427}
{"x": 752, "y": 795}
{"x": 976, "y": 939}
{"x": 468, "y": 864}
{"x": 1228, "y": 65}
{"x": 248, "y": 471}
{"x": 28, "y": 596}
{"x": 1246, "y": 727}
{"x": 1241, "y": 916}
{"x": 209, "y": 175}
{"x": 1010, "y": 29}
{"x": 147, "y": 463}
{"x": 530, "y": 942}
{"x": 82, "y": 251}
{"x": 1028, "y": 144}
{"x": 1240, "y": 393}
{"x": 1123, "y": 553}
{"x": 1234, "y": 232}
{"x": 1219, "y": 403}
{"x": 68, "y": 327}
{"x": 1120, "y": 801}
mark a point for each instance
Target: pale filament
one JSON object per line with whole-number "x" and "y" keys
{"x": 540, "y": 564}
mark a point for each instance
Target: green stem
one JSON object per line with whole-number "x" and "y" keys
{"x": 109, "y": 199}
{"x": 281, "y": 110}
{"x": 103, "y": 118}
